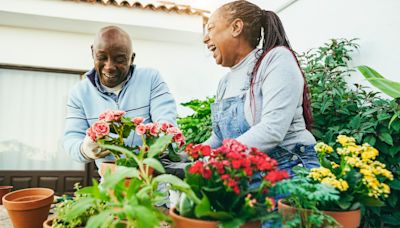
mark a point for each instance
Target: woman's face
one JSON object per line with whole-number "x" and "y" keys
{"x": 219, "y": 39}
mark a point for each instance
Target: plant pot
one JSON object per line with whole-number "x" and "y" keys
{"x": 48, "y": 223}
{"x": 347, "y": 219}
{"x": 4, "y": 190}
{"x": 183, "y": 222}
{"x": 28, "y": 208}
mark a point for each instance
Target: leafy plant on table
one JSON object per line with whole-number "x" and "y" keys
{"x": 301, "y": 192}
{"x": 127, "y": 197}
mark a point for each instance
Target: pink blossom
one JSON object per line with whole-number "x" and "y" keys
{"x": 173, "y": 131}
{"x": 141, "y": 129}
{"x": 91, "y": 134}
{"x": 100, "y": 128}
{"x": 165, "y": 126}
{"x": 154, "y": 129}
{"x": 118, "y": 114}
{"x": 137, "y": 120}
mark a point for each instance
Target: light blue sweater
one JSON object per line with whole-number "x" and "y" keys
{"x": 279, "y": 98}
{"x": 143, "y": 94}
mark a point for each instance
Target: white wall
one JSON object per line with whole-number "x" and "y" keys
{"x": 310, "y": 23}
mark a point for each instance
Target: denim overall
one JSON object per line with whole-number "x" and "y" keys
{"x": 228, "y": 121}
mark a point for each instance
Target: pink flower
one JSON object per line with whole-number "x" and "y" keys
{"x": 141, "y": 129}
{"x": 91, "y": 134}
{"x": 109, "y": 116}
{"x": 173, "y": 131}
{"x": 165, "y": 126}
{"x": 154, "y": 129}
{"x": 100, "y": 128}
{"x": 118, "y": 114}
{"x": 137, "y": 120}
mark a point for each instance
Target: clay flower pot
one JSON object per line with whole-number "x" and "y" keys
{"x": 28, "y": 208}
{"x": 183, "y": 222}
{"x": 48, "y": 223}
{"x": 347, "y": 219}
{"x": 4, "y": 190}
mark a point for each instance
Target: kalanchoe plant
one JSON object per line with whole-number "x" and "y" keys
{"x": 230, "y": 184}
{"x": 113, "y": 128}
{"x": 125, "y": 198}
{"x": 353, "y": 170}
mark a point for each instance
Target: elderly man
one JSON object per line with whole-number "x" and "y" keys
{"x": 114, "y": 83}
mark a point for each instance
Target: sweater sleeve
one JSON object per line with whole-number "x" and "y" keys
{"x": 162, "y": 103}
{"x": 76, "y": 125}
{"x": 282, "y": 90}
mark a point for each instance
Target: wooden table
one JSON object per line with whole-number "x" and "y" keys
{"x": 5, "y": 221}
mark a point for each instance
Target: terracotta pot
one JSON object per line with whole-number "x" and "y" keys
{"x": 112, "y": 166}
{"x": 48, "y": 223}
{"x": 347, "y": 219}
{"x": 183, "y": 222}
{"x": 4, "y": 190}
{"x": 28, "y": 208}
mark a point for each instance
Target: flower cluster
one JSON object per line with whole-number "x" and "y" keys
{"x": 113, "y": 128}
{"x": 352, "y": 169}
{"x": 233, "y": 164}
{"x": 230, "y": 184}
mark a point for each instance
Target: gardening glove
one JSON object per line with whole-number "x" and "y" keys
{"x": 90, "y": 150}
{"x": 175, "y": 168}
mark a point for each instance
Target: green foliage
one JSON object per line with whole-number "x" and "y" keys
{"x": 341, "y": 108}
{"x": 388, "y": 87}
{"x": 304, "y": 193}
{"x": 197, "y": 127}
{"x": 125, "y": 198}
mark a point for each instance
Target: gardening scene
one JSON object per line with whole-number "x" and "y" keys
{"x": 199, "y": 114}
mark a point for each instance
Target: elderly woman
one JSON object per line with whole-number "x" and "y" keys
{"x": 263, "y": 100}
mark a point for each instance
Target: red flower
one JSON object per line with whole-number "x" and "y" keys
{"x": 236, "y": 164}
{"x": 197, "y": 167}
{"x": 206, "y": 173}
{"x": 274, "y": 176}
{"x": 206, "y": 150}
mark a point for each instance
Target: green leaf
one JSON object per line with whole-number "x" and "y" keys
{"x": 144, "y": 216}
{"x": 102, "y": 220}
{"x": 388, "y": 87}
{"x": 395, "y": 184}
{"x": 155, "y": 164}
{"x": 203, "y": 210}
{"x": 371, "y": 202}
{"x": 121, "y": 172}
{"x": 394, "y": 117}
{"x": 185, "y": 206}
{"x": 79, "y": 208}
{"x": 370, "y": 139}
{"x": 386, "y": 137}
{"x": 159, "y": 146}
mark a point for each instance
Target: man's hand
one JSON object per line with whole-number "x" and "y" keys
{"x": 91, "y": 150}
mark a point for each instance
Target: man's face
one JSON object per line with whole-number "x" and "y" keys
{"x": 112, "y": 55}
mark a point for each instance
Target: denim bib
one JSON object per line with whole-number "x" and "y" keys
{"x": 229, "y": 121}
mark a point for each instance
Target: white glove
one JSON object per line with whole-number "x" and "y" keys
{"x": 91, "y": 150}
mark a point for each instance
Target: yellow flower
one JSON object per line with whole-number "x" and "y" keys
{"x": 345, "y": 141}
{"x": 334, "y": 165}
{"x": 323, "y": 148}
{"x": 340, "y": 184}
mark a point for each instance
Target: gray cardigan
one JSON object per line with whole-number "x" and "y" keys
{"x": 278, "y": 94}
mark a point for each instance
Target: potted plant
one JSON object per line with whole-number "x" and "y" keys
{"x": 301, "y": 200}
{"x": 228, "y": 187}
{"x": 112, "y": 203}
{"x": 353, "y": 170}
{"x": 112, "y": 128}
